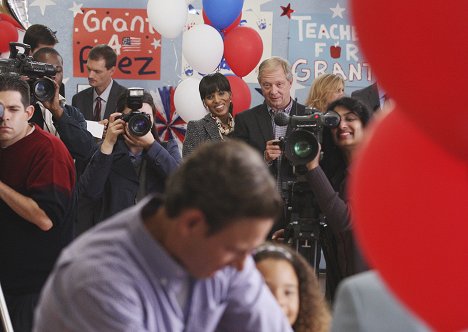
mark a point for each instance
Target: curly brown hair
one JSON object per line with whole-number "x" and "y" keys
{"x": 314, "y": 314}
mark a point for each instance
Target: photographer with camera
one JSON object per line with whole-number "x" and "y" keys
{"x": 60, "y": 119}
{"x": 130, "y": 162}
{"x": 37, "y": 205}
{"x": 341, "y": 252}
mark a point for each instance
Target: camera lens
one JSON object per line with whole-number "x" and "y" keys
{"x": 303, "y": 149}
{"x": 43, "y": 89}
{"x": 301, "y": 146}
{"x": 139, "y": 124}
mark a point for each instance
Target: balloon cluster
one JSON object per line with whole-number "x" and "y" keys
{"x": 410, "y": 182}
{"x": 9, "y": 31}
{"x": 205, "y": 45}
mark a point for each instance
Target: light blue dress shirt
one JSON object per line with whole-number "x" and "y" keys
{"x": 116, "y": 277}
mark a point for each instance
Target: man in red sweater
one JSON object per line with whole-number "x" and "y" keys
{"x": 37, "y": 202}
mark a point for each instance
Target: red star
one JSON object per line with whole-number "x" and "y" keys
{"x": 287, "y": 10}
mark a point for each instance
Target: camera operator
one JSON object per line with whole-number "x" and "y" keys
{"x": 59, "y": 118}
{"x": 257, "y": 127}
{"x": 341, "y": 253}
{"x": 127, "y": 166}
{"x": 37, "y": 178}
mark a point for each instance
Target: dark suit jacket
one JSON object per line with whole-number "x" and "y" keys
{"x": 254, "y": 126}
{"x": 84, "y": 101}
{"x": 111, "y": 183}
{"x": 369, "y": 96}
{"x": 199, "y": 131}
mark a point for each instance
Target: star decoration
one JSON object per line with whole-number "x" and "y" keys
{"x": 337, "y": 11}
{"x": 76, "y": 9}
{"x": 42, "y": 4}
{"x": 156, "y": 43}
{"x": 287, "y": 10}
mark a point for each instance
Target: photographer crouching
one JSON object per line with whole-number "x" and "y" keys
{"x": 131, "y": 162}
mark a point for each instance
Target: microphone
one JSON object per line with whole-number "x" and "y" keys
{"x": 281, "y": 119}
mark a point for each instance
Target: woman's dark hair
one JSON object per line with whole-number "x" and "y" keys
{"x": 354, "y": 106}
{"x": 333, "y": 162}
{"x": 314, "y": 314}
{"x": 39, "y": 34}
{"x": 214, "y": 82}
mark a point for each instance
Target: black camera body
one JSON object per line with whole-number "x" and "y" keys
{"x": 302, "y": 143}
{"x": 139, "y": 123}
{"x": 22, "y": 64}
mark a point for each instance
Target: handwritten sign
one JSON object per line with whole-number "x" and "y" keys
{"x": 321, "y": 44}
{"x": 128, "y": 32}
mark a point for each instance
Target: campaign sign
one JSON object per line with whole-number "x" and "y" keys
{"x": 128, "y": 32}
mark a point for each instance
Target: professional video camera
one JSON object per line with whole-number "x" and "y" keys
{"x": 302, "y": 144}
{"x": 139, "y": 123}
{"x": 22, "y": 64}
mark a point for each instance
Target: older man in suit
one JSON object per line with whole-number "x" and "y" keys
{"x": 100, "y": 100}
{"x": 256, "y": 126}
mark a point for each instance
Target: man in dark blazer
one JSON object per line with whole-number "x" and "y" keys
{"x": 369, "y": 96}
{"x": 256, "y": 126}
{"x": 100, "y": 100}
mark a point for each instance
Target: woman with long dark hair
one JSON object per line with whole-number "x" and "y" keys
{"x": 329, "y": 188}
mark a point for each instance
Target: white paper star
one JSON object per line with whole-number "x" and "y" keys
{"x": 76, "y": 9}
{"x": 156, "y": 43}
{"x": 337, "y": 11}
{"x": 42, "y": 4}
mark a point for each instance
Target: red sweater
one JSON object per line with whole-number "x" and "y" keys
{"x": 40, "y": 167}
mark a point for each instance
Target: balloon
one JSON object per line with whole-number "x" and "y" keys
{"x": 422, "y": 63}
{"x": 410, "y": 209}
{"x": 12, "y": 20}
{"x": 241, "y": 96}
{"x": 229, "y": 28}
{"x": 9, "y": 34}
{"x": 243, "y": 48}
{"x": 187, "y": 100}
{"x": 222, "y": 13}
{"x": 203, "y": 48}
{"x": 167, "y": 17}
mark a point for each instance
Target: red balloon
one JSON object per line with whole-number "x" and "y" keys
{"x": 10, "y": 19}
{"x": 241, "y": 96}
{"x": 410, "y": 205}
{"x": 229, "y": 28}
{"x": 9, "y": 34}
{"x": 243, "y": 48}
{"x": 421, "y": 61}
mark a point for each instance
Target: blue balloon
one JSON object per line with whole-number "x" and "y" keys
{"x": 222, "y": 13}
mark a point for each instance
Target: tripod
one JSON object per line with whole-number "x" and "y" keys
{"x": 303, "y": 230}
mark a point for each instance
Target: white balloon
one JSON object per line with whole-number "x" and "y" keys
{"x": 203, "y": 48}
{"x": 187, "y": 100}
{"x": 168, "y": 17}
